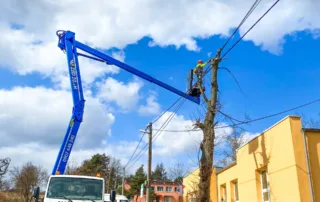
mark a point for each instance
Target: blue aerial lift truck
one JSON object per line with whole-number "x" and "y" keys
{"x": 69, "y": 45}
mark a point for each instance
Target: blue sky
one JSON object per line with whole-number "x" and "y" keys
{"x": 277, "y": 74}
{"x": 271, "y": 83}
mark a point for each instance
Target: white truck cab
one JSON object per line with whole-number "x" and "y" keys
{"x": 74, "y": 188}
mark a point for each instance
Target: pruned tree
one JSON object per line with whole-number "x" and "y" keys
{"x": 27, "y": 177}
{"x": 207, "y": 126}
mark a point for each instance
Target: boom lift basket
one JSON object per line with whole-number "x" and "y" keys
{"x": 189, "y": 81}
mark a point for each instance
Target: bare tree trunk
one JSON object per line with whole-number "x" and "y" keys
{"x": 207, "y": 146}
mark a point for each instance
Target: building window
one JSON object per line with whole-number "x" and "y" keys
{"x": 265, "y": 186}
{"x": 159, "y": 188}
{"x": 177, "y": 189}
{"x": 152, "y": 188}
{"x": 223, "y": 193}
{"x": 168, "y": 189}
{"x": 235, "y": 191}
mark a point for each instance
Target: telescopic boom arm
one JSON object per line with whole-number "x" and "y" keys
{"x": 69, "y": 45}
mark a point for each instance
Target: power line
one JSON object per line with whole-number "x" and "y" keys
{"x": 173, "y": 114}
{"x": 178, "y": 131}
{"x": 276, "y": 114}
{"x": 228, "y": 70}
{"x": 255, "y": 4}
{"x": 152, "y": 122}
{"x": 142, "y": 151}
{"x": 166, "y": 110}
{"x": 209, "y": 68}
{"x": 249, "y": 121}
{"x": 250, "y": 28}
{"x": 134, "y": 151}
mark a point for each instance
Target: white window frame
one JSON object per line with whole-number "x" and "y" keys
{"x": 224, "y": 192}
{"x": 236, "y": 191}
{"x": 159, "y": 187}
{"x": 168, "y": 188}
{"x": 266, "y": 190}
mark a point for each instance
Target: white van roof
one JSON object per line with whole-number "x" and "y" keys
{"x": 119, "y": 198}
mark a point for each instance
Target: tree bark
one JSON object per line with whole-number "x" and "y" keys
{"x": 207, "y": 146}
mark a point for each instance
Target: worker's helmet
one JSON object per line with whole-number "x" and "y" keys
{"x": 200, "y": 61}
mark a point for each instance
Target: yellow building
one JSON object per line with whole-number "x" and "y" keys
{"x": 280, "y": 165}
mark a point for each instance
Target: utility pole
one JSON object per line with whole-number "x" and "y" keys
{"x": 149, "y": 132}
{"x": 149, "y": 162}
{"x": 123, "y": 180}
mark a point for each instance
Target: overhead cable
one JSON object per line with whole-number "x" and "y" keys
{"x": 249, "y": 121}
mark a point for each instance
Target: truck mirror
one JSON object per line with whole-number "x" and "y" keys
{"x": 36, "y": 193}
{"x": 113, "y": 196}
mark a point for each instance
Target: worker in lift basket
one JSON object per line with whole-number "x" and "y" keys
{"x": 198, "y": 70}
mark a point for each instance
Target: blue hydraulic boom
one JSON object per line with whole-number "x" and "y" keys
{"x": 69, "y": 45}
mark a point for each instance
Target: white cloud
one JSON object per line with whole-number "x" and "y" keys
{"x": 33, "y": 122}
{"x": 286, "y": 18}
{"x": 120, "y": 55}
{"x": 42, "y": 115}
{"x": 110, "y": 24}
{"x": 174, "y": 143}
{"x": 40, "y": 155}
{"x": 23, "y": 56}
{"x": 170, "y": 143}
{"x": 126, "y": 96}
{"x": 247, "y": 136}
{"x": 151, "y": 107}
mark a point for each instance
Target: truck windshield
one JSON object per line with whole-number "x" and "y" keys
{"x": 75, "y": 188}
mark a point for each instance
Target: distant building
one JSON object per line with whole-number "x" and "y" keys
{"x": 165, "y": 191}
{"x": 280, "y": 165}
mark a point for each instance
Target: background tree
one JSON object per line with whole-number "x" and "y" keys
{"x": 110, "y": 169}
{"x": 71, "y": 167}
{"x": 97, "y": 164}
{"x": 177, "y": 172}
{"x": 136, "y": 180}
{"x": 159, "y": 173}
{"x": 153, "y": 195}
{"x": 4, "y": 185}
{"x": 27, "y": 177}
{"x": 115, "y": 174}
{"x": 231, "y": 142}
{"x": 309, "y": 122}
